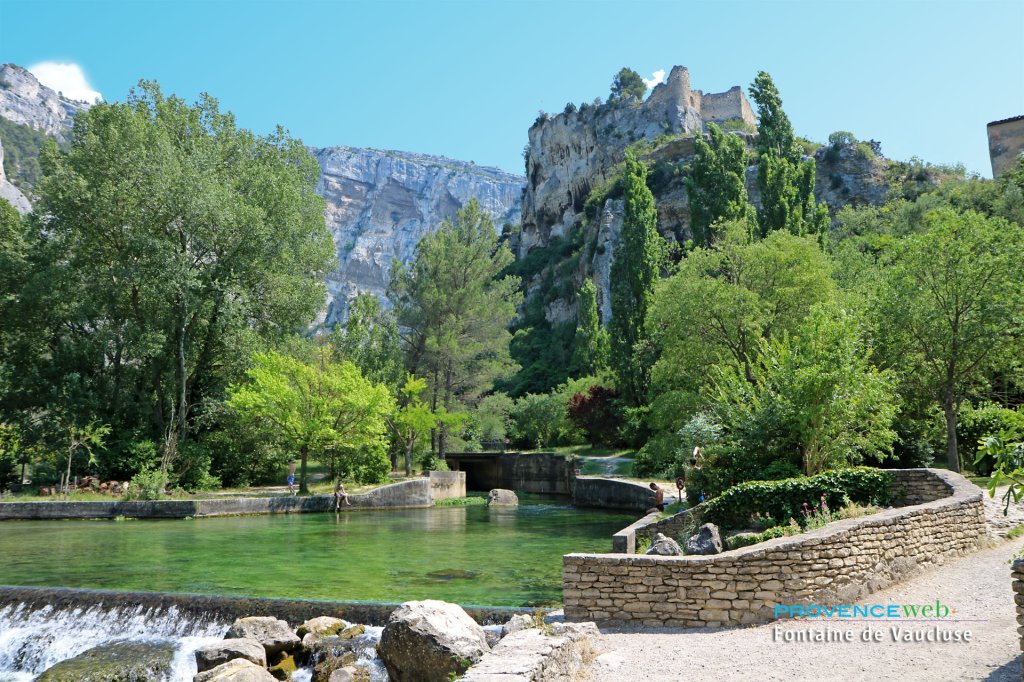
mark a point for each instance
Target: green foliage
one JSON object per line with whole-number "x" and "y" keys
{"x": 369, "y": 339}
{"x": 538, "y": 418}
{"x": 150, "y": 484}
{"x": 812, "y": 398}
{"x": 22, "y": 148}
{"x": 174, "y": 245}
{"x": 461, "y": 502}
{"x": 317, "y": 406}
{"x": 1008, "y": 456}
{"x": 591, "y": 344}
{"x": 635, "y": 269}
{"x": 716, "y": 184}
{"x": 976, "y": 424}
{"x": 626, "y": 83}
{"x": 737, "y": 541}
{"x": 414, "y": 420}
{"x": 455, "y": 307}
{"x": 596, "y": 413}
{"x": 785, "y": 499}
{"x": 786, "y": 180}
{"x": 951, "y": 304}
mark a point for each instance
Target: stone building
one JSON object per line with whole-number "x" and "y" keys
{"x": 1005, "y": 143}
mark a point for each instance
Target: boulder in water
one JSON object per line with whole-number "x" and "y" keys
{"x": 429, "y": 640}
{"x": 283, "y": 667}
{"x": 347, "y": 674}
{"x": 115, "y": 662}
{"x": 499, "y": 497}
{"x": 212, "y": 655}
{"x": 273, "y": 634}
{"x": 236, "y": 670}
{"x": 705, "y": 541}
{"x": 321, "y": 627}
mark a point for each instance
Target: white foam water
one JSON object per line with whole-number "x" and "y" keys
{"x": 33, "y": 639}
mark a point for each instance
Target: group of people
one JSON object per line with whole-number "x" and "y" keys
{"x": 340, "y": 495}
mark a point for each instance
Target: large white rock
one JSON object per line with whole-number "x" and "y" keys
{"x": 218, "y": 653}
{"x": 273, "y": 634}
{"x": 428, "y": 640}
{"x": 237, "y": 670}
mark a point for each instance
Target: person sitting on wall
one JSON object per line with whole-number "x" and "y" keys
{"x": 659, "y": 496}
{"x": 339, "y": 495}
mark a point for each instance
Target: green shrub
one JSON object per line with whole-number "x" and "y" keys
{"x": 461, "y": 502}
{"x": 147, "y": 485}
{"x": 785, "y": 499}
{"x": 738, "y": 541}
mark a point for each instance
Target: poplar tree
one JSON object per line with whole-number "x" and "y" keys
{"x": 635, "y": 268}
{"x": 785, "y": 178}
{"x": 590, "y": 347}
{"x": 716, "y": 186}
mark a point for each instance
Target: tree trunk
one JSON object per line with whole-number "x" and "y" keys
{"x": 408, "y": 456}
{"x": 303, "y": 489}
{"x": 952, "y": 456}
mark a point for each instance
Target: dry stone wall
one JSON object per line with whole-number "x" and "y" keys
{"x": 1018, "y": 600}
{"x": 838, "y": 563}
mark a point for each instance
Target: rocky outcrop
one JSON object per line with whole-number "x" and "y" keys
{"x": 23, "y": 99}
{"x": 212, "y": 655}
{"x": 380, "y": 203}
{"x": 428, "y": 640}
{"x": 274, "y": 635}
{"x": 9, "y": 192}
{"x": 115, "y": 662}
{"x": 706, "y": 540}
{"x": 662, "y": 545}
{"x": 237, "y": 670}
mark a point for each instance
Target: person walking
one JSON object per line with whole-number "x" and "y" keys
{"x": 291, "y": 477}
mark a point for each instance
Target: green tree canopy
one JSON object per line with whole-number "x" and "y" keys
{"x": 454, "y": 311}
{"x": 716, "y": 184}
{"x": 636, "y": 266}
{"x": 628, "y": 82}
{"x": 369, "y": 339}
{"x": 952, "y": 306}
{"x": 174, "y": 243}
{"x": 315, "y": 406}
{"x": 590, "y": 345}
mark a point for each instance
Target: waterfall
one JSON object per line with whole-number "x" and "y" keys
{"x": 33, "y": 638}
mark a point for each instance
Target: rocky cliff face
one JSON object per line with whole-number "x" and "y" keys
{"x": 11, "y": 193}
{"x": 574, "y": 156}
{"x": 380, "y": 203}
{"x": 23, "y": 99}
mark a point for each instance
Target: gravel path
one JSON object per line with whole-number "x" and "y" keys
{"x": 977, "y": 587}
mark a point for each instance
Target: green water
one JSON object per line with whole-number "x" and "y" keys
{"x": 467, "y": 555}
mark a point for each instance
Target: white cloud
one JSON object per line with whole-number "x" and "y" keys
{"x": 656, "y": 78}
{"x": 65, "y": 77}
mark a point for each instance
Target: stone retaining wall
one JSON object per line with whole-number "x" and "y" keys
{"x": 838, "y": 563}
{"x": 447, "y": 484}
{"x": 675, "y": 526}
{"x": 611, "y": 493}
{"x": 413, "y": 493}
{"x": 1018, "y": 600}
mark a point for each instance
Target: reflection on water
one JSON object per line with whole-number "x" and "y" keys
{"x": 468, "y": 555}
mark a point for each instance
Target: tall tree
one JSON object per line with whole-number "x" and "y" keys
{"x": 314, "y": 406}
{"x": 590, "y": 346}
{"x": 369, "y": 339}
{"x": 785, "y": 179}
{"x": 173, "y": 242}
{"x": 636, "y": 266}
{"x": 716, "y": 185}
{"x": 626, "y": 83}
{"x": 953, "y": 305}
{"x": 454, "y": 309}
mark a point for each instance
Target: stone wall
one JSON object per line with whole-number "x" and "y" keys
{"x": 526, "y": 472}
{"x": 1005, "y": 143}
{"x": 685, "y": 522}
{"x": 725, "y": 106}
{"x": 1018, "y": 600}
{"x": 447, "y": 484}
{"x": 535, "y": 655}
{"x": 836, "y": 564}
{"x": 610, "y": 493}
{"x": 414, "y": 493}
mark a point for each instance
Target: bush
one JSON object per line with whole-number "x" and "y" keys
{"x": 785, "y": 499}
{"x": 976, "y": 424}
{"x": 147, "y": 485}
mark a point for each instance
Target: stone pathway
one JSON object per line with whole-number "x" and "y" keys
{"x": 977, "y": 586}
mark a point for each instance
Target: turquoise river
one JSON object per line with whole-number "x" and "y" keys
{"x": 467, "y": 555}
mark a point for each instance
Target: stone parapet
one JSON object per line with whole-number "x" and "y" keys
{"x": 836, "y": 564}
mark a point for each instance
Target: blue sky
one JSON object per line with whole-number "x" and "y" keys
{"x": 466, "y": 79}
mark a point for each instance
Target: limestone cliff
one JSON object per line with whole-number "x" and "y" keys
{"x": 9, "y": 192}
{"x": 380, "y": 203}
{"x": 23, "y": 99}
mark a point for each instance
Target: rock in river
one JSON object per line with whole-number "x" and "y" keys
{"x": 212, "y": 655}
{"x": 115, "y": 662}
{"x": 428, "y": 640}
{"x": 237, "y": 670}
{"x": 273, "y": 634}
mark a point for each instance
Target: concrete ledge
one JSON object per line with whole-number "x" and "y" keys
{"x": 414, "y": 493}
{"x": 612, "y": 493}
{"x": 836, "y": 564}
{"x": 294, "y": 611}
